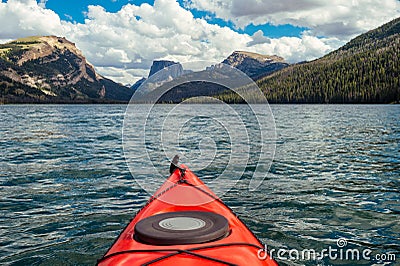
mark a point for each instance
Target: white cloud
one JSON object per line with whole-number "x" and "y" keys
{"x": 42, "y": 3}
{"x": 122, "y": 45}
{"x": 334, "y": 18}
{"x": 68, "y": 17}
{"x": 124, "y": 76}
{"x": 21, "y": 18}
{"x": 295, "y": 49}
{"x": 258, "y": 38}
{"x": 136, "y": 35}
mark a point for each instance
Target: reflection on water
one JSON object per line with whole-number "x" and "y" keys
{"x": 66, "y": 191}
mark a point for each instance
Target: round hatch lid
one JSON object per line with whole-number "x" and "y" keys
{"x": 177, "y": 228}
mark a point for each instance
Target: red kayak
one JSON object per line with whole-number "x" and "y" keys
{"x": 185, "y": 223}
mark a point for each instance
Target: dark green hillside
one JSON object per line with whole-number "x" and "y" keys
{"x": 365, "y": 70}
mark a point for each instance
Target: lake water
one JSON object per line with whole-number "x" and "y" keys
{"x": 66, "y": 191}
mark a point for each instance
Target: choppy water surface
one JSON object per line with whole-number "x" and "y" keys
{"x": 66, "y": 191}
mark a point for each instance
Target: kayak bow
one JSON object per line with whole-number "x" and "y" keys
{"x": 185, "y": 223}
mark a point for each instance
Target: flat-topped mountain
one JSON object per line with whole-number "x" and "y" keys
{"x": 166, "y": 71}
{"x": 161, "y": 64}
{"x": 52, "y": 69}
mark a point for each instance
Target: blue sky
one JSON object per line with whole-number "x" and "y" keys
{"x": 121, "y": 38}
{"x": 75, "y": 10}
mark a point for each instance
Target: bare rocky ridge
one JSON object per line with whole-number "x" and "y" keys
{"x": 52, "y": 69}
{"x": 255, "y": 65}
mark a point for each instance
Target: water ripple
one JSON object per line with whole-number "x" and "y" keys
{"x": 66, "y": 192}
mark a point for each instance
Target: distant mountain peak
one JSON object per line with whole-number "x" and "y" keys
{"x": 159, "y": 65}
{"x": 256, "y": 56}
{"x": 255, "y": 65}
{"x": 166, "y": 69}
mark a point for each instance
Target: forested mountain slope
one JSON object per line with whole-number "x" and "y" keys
{"x": 365, "y": 70}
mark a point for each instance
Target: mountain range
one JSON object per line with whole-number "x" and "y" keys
{"x": 252, "y": 64}
{"x": 50, "y": 69}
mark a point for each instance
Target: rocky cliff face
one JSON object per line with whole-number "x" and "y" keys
{"x": 52, "y": 69}
{"x": 162, "y": 71}
{"x": 166, "y": 71}
{"x": 174, "y": 71}
{"x": 255, "y": 65}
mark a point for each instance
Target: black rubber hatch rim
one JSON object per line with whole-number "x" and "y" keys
{"x": 186, "y": 227}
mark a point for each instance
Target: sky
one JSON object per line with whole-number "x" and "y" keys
{"x": 121, "y": 38}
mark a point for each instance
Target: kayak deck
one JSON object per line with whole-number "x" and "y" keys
{"x": 184, "y": 193}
